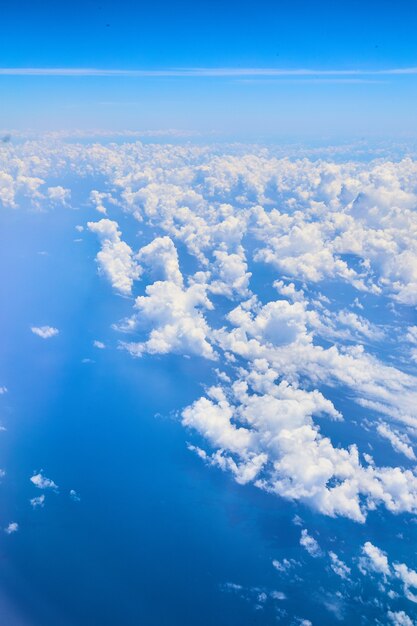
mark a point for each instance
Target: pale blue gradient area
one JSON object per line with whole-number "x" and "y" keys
{"x": 326, "y": 36}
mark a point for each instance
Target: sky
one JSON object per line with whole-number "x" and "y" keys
{"x": 208, "y": 331}
{"x": 367, "y": 40}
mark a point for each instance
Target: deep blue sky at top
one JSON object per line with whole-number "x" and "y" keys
{"x": 295, "y": 34}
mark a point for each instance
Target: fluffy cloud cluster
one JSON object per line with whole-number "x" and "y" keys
{"x": 265, "y": 432}
{"x": 294, "y": 275}
{"x": 312, "y": 219}
{"x": 173, "y": 314}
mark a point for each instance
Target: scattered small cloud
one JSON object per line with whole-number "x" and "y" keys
{"x": 38, "y": 502}
{"x": 45, "y": 332}
{"x": 40, "y": 481}
{"x": 74, "y": 496}
{"x": 310, "y": 544}
{"x": 13, "y": 527}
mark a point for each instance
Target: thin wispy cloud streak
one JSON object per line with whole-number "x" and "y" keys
{"x": 196, "y": 72}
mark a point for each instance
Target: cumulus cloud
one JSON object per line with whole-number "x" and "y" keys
{"x": 400, "y": 442}
{"x": 374, "y": 560}
{"x": 278, "y": 269}
{"x": 310, "y": 544}
{"x": 261, "y": 428}
{"x": 162, "y": 258}
{"x": 74, "y": 496}
{"x": 400, "y": 618}
{"x": 175, "y": 316}
{"x": 42, "y": 482}
{"x": 38, "y": 501}
{"x": 46, "y": 332}
{"x": 338, "y": 566}
{"x": 115, "y": 259}
{"x": 408, "y": 577}
{"x": 58, "y": 195}
{"x": 284, "y": 565}
{"x": 11, "y": 528}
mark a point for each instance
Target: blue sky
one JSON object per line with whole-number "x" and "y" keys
{"x": 290, "y": 36}
{"x": 208, "y": 264}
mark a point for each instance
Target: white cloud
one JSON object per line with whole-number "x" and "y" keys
{"x": 46, "y": 332}
{"x": 400, "y": 618}
{"x": 374, "y": 560}
{"x": 338, "y": 566}
{"x": 323, "y": 228}
{"x": 399, "y": 442}
{"x": 174, "y": 315}
{"x": 230, "y": 273}
{"x": 310, "y": 544}
{"x": 38, "y": 501}
{"x": 99, "y": 344}
{"x": 74, "y": 496}
{"x": 40, "y": 481}
{"x": 115, "y": 259}
{"x": 409, "y": 579}
{"x": 191, "y": 72}
{"x": 284, "y": 565}
{"x": 278, "y": 595}
{"x": 58, "y": 195}
{"x": 162, "y": 258}
{"x": 13, "y": 527}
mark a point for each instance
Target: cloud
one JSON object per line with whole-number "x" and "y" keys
{"x": 338, "y": 566}
{"x": 74, "y": 496}
{"x": 374, "y": 560}
{"x": 59, "y": 195}
{"x": 400, "y": 618}
{"x": 13, "y": 527}
{"x": 40, "y": 481}
{"x": 284, "y": 565}
{"x": 162, "y": 258}
{"x": 409, "y": 579}
{"x": 400, "y": 443}
{"x": 249, "y": 258}
{"x": 310, "y": 544}
{"x": 99, "y": 344}
{"x": 46, "y": 332}
{"x": 174, "y": 314}
{"x": 260, "y": 429}
{"x": 115, "y": 259}
{"x": 225, "y": 72}
{"x": 38, "y": 501}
